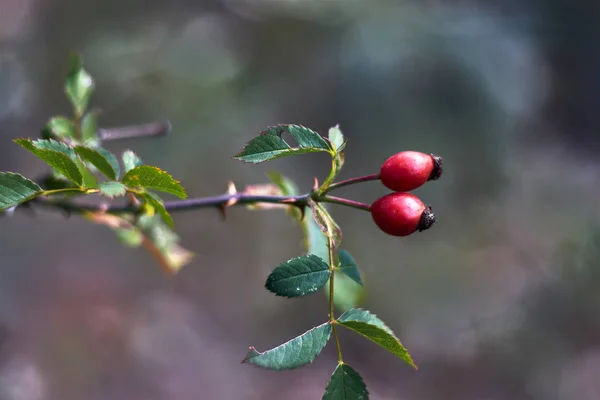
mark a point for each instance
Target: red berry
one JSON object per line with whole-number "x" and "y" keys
{"x": 408, "y": 170}
{"x": 400, "y": 214}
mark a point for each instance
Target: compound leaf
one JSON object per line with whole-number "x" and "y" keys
{"x": 58, "y": 155}
{"x": 104, "y": 160}
{"x": 300, "y": 276}
{"x": 370, "y": 326}
{"x": 149, "y": 177}
{"x": 345, "y": 384}
{"x": 295, "y": 353}
{"x": 270, "y": 145}
{"x": 348, "y": 266}
{"x": 16, "y": 189}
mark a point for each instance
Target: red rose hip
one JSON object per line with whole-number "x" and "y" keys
{"x": 408, "y": 170}
{"x": 400, "y": 214}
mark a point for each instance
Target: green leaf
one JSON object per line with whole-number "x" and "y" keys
{"x": 345, "y": 384}
{"x": 348, "y": 266}
{"x": 89, "y": 180}
{"x": 337, "y": 138}
{"x": 297, "y": 352}
{"x": 370, "y": 326}
{"x": 79, "y": 86}
{"x": 288, "y": 188}
{"x": 112, "y": 189}
{"x": 89, "y": 128}
{"x": 104, "y": 160}
{"x": 59, "y": 127}
{"x": 159, "y": 206}
{"x": 150, "y": 177}
{"x": 130, "y": 236}
{"x": 348, "y": 294}
{"x": 16, "y": 189}
{"x": 56, "y": 155}
{"x": 326, "y": 223}
{"x": 300, "y": 276}
{"x": 131, "y": 160}
{"x": 269, "y": 145}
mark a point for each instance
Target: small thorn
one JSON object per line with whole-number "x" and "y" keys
{"x": 316, "y": 186}
{"x": 231, "y": 190}
{"x": 222, "y": 211}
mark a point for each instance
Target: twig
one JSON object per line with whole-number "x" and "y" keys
{"x": 128, "y": 132}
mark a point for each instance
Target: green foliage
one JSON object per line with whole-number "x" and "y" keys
{"x": 348, "y": 294}
{"x": 131, "y": 160}
{"x": 104, "y": 160}
{"x": 270, "y": 145}
{"x": 158, "y": 206}
{"x": 60, "y": 128}
{"x": 297, "y": 352}
{"x": 336, "y": 138}
{"x": 346, "y": 384}
{"x": 149, "y": 177}
{"x": 371, "y": 327}
{"x": 57, "y": 155}
{"x": 112, "y": 189}
{"x": 79, "y": 86}
{"x": 326, "y": 223}
{"x": 15, "y": 189}
{"x": 348, "y": 266}
{"x": 300, "y": 276}
{"x": 89, "y": 129}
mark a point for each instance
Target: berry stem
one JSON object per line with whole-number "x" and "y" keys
{"x": 345, "y": 202}
{"x": 351, "y": 181}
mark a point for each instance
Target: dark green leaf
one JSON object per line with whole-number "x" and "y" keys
{"x": 79, "y": 86}
{"x": 345, "y": 384}
{"x": 159, "y": 207}
{"x": 104, "y": 160}
{"x": 269, "y": 145}
{"x": 131, "y": 160}
{"x": 300, "y": 276}
{"x": 370, "y": 326}
{"x": 337, "y": 138}
{"x": 112, "y": 189}
{"x": 16, "y": 189}
{"x": 149, "y": 177}
{"x": 89, "y": 180}
{"x": 56, "y": 155}
{"x": 326, "y": 223}
{"x": 59, "y": 127}
{"x": 89, "y": 128}
{"x": 297, "y": 352}
{"x": 348, "y": 266}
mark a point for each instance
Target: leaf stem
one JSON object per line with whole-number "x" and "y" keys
{"x": 68, "y": 190}
{"x": 351, "y": 181}
{"x": 345, "y": 202}
{"x": 332, "y": 321}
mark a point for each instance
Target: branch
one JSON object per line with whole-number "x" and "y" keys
{"x": 128, "y": 132}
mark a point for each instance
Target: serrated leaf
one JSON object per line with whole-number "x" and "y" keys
{"x": 79, "y": 86}
{"x": 348, "y": 294}
{"x": 112, "y": 189}
{"x": 54, "y": 154}
{"x": 89, "y": 128}
{"x": 370, "y": 326}
{"x": 270, "y": 145}
{"x": 300, "y": 276}
{"x": 346, "y": 384}
{"x": 15, "y": 189}
{"x": 295, "y": 353}
{"x": 104, "y": 160}
{"x": 149, "y": 177}
{"x": 159, "y": 207}
{"x": 59, "y": 127}
{"x": 326, "y": 223}
{"x": 89, "y": 180}
{"x": 336, "y": 138}
{"x": 348, "y": 266}
{"x": 131, "y": 160}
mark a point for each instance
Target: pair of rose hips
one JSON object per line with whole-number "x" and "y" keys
{"x": 402, "y": 213}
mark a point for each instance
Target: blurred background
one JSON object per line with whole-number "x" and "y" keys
{"x": 500, "y": 300}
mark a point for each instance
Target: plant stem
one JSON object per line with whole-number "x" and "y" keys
{"x": 351, "y": 181}
{"x": 345, "y": 202}
{"x": 68, "y": 190}
{"x": 128, "y": 132}
{"x": 180, "y": 205}
{"x": 332, "y": 321}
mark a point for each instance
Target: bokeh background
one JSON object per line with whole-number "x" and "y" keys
{"x": 500, "y": 300}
